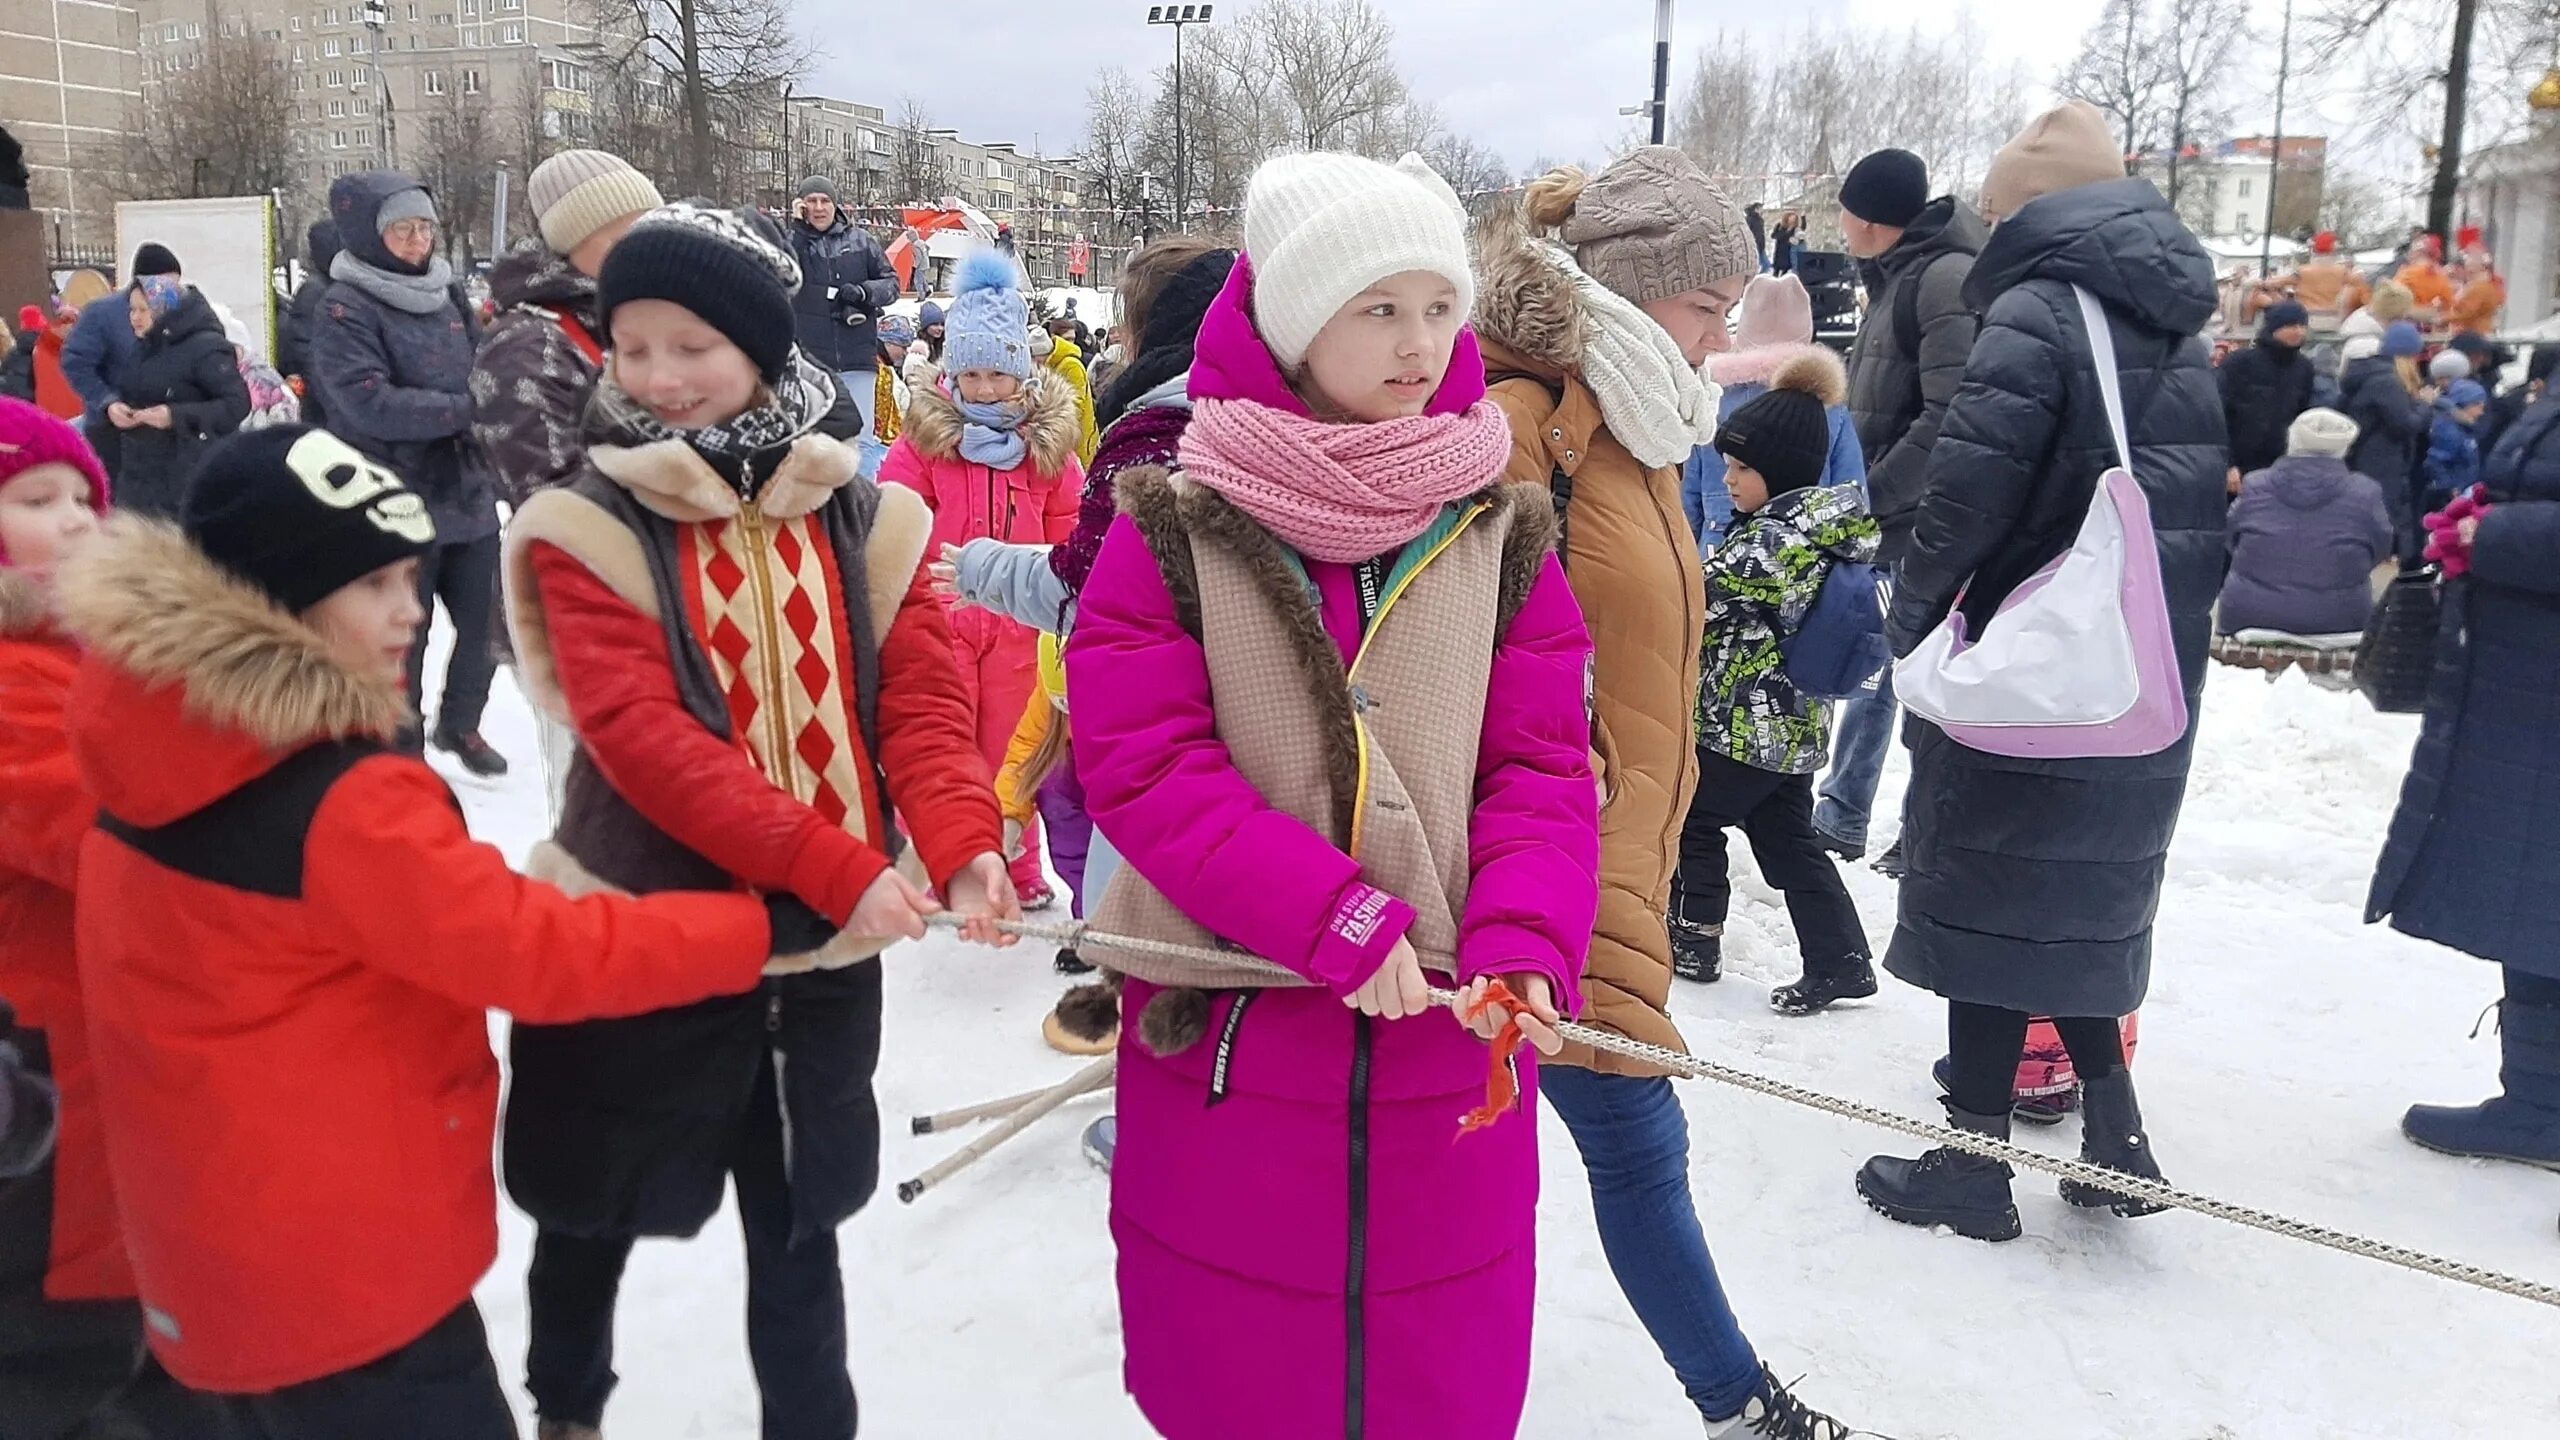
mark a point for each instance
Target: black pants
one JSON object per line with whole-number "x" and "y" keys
{"x": 1985, "y": 1041}
{"x": 1776, "y": 815}
{"x": 465, "y": 577}
{"x": 441, "y": 1386}
{"x": 795, "y": 1303}
{"x": 77, "y": 1370}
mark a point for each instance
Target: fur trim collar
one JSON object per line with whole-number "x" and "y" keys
{"x": 1524, "y": 302}
{"x": 673, "y": 480}
{"x": 25, "y": 607}
{"x": 1754, "y": 367}
{"x": 143, "y": 598}
{"x": 1053, "y": 430}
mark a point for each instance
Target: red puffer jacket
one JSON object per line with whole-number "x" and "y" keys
{"x": 288, "y": 939}
{"x": 43, "y": 814}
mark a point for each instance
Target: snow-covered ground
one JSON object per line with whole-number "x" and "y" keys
{"x": 2282, "y": 1040}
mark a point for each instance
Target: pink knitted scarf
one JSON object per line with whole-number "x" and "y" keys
{"x": 1343, "y": 493}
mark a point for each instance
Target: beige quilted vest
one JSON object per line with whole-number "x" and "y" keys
{"x": 1382, "y": 761}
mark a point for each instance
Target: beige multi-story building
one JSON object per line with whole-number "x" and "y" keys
{"x": 70, "y": 78}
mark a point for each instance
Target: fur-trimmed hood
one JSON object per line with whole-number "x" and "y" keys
{"x": 1052, "y": 430}
{"x": 1525, "y": 302}
{"x": 26, "y": 609}
{"x": 672, "y": 479}
{"x": 1759, "y": 366}
{"x": 196, "y": 680}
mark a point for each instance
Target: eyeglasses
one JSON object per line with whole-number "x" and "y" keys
{"x": 410, "y": 230}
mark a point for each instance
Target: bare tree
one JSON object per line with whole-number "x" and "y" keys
{"x": 1115, "y": 120}
{"x": 724, "y": 61}
{"x": 1469, "y": 167}
{"x": 465, "y": 140}
{"x": 1724, "y": 119}
{"x": 2195, "y": 47}
{"x": 2118, "y": 70}
{"x": 1334, "y": 64}
{"x": 2397, "y": 44}
{"x": 916, "y": 171}
{"x": 220, "y": 122}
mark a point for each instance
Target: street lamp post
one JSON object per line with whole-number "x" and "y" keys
{"x": 1180, "y": 17}
{"x": 376, "y": 14}
{"x": 2275, "y": 155}
{"x": 1661, "y": 66}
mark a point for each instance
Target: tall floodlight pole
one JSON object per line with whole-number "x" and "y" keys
{"x": 1662, "y": 67}
{"x": 376, "y": 14}
{"x": 1180, "y": 17}
{"x": 2275, "y": 155}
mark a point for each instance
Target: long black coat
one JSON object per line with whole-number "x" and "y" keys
{"x": 2473, "y": 860}
{"x": 187, "y": 364}
{"x": 1900, "y": 385}
{"x": 2264, "y": 388}
{"x": 2033, "y": 882}
{"x": 846, "y": 282}
{"x": 2391, "y": 429}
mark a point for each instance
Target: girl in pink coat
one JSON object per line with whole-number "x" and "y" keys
{"x": 1330, "y": 707}
{"x": 991, "y": 445}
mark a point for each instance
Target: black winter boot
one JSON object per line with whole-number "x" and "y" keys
{"x": 1851, "y": 979}
{"x": 1697, "y": 951}
{"x": 1966, "y": 1193}
{"x": 476, "y": 754}
{"x": 2523, "y": 1123}
{"x": 1890, "y": 864}
{"x": 2111, "y": 1135}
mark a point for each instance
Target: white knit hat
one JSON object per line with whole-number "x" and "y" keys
{"x": 2320, "y": 432}
{"x": 576, "y": 193}
{"x": 1321, "y": 228}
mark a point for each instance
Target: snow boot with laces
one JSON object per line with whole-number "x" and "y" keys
{"x": 1697, "y": 951}
{"x": 1851, "y": 979}
{"x": 477, "y": 755}
{"x": 1966, "y": 1193}
{"x": 1772, "y": 1413}
{"x": 2522, "y": 1124}
{"x": 2111, "y": 1135}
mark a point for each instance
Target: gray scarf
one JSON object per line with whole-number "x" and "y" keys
{"x": 417, "y": 294}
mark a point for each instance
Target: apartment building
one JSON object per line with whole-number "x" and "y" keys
{"x": 70, "y": 79}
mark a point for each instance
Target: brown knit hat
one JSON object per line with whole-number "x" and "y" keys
{"x": 2064, "y": 148}
{"x": 1651, "y": 225}
{"x": 2391, "y": 301}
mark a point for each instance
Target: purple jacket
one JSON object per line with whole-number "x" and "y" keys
{"x": 1253, "y": 1167}
{"x": 2305, "y": 536}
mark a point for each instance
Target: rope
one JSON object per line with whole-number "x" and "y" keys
{"x": 2118, "y": 1182}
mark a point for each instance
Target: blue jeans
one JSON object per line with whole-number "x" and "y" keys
{"x": 864, "y": 386}
{"x": 1635, "y": 1146}
{"x": 1857, "y": 763}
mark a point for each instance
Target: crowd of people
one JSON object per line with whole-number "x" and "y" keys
{"x": 1392, "y": 598}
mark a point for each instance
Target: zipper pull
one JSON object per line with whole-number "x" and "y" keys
{"x": 773, "y": 1013}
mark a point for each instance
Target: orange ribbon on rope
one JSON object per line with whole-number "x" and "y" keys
{"x": 1502, "y": 1080}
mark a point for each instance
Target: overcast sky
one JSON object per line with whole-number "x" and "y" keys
{"x": 1530, "y": 78}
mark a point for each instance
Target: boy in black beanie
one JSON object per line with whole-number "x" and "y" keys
{"x": 1760, "y": 739}
{"x": 289, "y": 943}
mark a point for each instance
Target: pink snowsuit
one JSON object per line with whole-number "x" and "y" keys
{"x": 1307, "y": 1249}
{"x": 1033, "y": 503}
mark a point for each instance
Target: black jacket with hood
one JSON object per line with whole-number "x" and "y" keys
{"x": 2264, "y": 389}
{"x": 846, "y": 281}
{"x": 187, "y": 364}
{"x": 1899, "y": 385}
{"x": 302, "y": 317}
{"x": 2033, "y": 882}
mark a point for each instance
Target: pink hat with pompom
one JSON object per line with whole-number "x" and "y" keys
{"x": 30, "y": 437}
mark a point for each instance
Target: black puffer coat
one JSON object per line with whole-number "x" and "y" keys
{"x": 1899, "y": 384}
{"x": 2264, "y": 388}
{"x": 2033, "y": 882}
{"x": 2391, "y": 430}
{"x": 302, "y": 318}
{"x": 846, "y": 281}
{"x": 2474, "y": 855}
{"x": 187, "y": 364}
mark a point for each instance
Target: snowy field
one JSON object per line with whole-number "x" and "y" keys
{"x": 2282, "y": 1040}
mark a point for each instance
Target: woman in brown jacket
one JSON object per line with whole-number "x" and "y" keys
{"x": 1593, "y": 355}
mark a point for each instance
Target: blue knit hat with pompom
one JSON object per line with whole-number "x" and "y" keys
{"x": 988, "y": 319}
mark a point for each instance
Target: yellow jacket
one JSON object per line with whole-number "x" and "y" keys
{"x": 1068, "y": 360}
{"x": 1048, "y": 707}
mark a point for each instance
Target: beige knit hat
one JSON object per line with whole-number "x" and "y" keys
{"x": 2320, "y": 432}
{"x": 2391, "y": 301}
{"x": 2064, "y": 148}
{"x": 1651, "y": 225}
{"x": 576, "y": 193}
{"x": 1322, "y": 227}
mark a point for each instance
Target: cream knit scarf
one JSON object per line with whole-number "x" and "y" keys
{"x": 1658, "y": 405}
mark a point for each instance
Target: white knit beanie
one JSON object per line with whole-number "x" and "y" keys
{"x": 1320, "y": 228}
{"x": 576, "y": 193}
{"x": 2320, "y": 432}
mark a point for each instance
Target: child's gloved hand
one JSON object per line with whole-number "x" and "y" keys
{"x": 892, "y": 908}
{"x": 981, "y": 894}
{"x": 2452, "y": 530}
{"x": 1397, "y": 990}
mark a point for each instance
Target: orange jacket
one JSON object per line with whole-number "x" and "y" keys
{"x": 53, "y": 388}
{"x": 2428, "y": 284}
{"x": 2477, "y": 307}
{"x": 43, "y": 815}
{"x": 289, "y": 941}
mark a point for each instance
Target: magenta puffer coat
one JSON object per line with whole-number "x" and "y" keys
{"x": 1306, "y": 1247}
